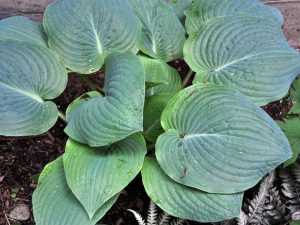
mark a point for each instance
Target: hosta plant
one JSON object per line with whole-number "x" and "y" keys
{"x": 207, "y": 143}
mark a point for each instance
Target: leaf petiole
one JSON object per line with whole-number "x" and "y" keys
{"x": 62, "y": 116}
{"x": 187, "y": 78}
{"x": 91, "y": 85}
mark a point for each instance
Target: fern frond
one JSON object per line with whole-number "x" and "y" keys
{"x": 152, "y": 218}
{"x": 296, "y": 171}
{"x": 152, "y": 214}
{"x": 296, "y": 216}
{"x": 178, "y": 222}
{"x": 291, "y": 189}
{"x": 256, "y": 206}
{"x": 138, "y": 217}
{"x": 243, "y": 219}
{"x": 275, "y": 208}
{"x": 164, "y": 219}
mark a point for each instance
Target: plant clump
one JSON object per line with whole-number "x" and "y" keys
{"x": 198, "y": 147}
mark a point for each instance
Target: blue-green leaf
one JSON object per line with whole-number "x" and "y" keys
{"x": 84, "y": 32}
{"x": 185, "y": 202}
{"x": 203, "y": 10}
{"x": 246, "y": 53}
{"x": 55, "y": 204}
{"x": 218, "y": 141}
{"x": 29, "y": 76}
{"x": 163, "y": 35}
{"x": 19, "y": 28}
{"x": 97, "y": 174}
{"x": 101, "y": 121}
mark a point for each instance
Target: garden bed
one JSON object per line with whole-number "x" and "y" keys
{"x": 21, "y": 159}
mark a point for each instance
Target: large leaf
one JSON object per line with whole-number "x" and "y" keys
{"x": 29, "y": 75}
{"x": 295, "y": 94}
{"x": 291, "y": 128}
{"x": 185, "y": 202}
{"x": 97, "y": 174}
{"x": 203, "y": 10}
{"x": 218, "y": 141}
{"x": 246, "y": 53}
{"x": 55, "y": 204}
{"x": 22, "y": 29}
{"x": 163, "y": 35}
{"x": 154, "y": 106}
{"x": 84, "y": 32}
{"x": 101, "y": 120}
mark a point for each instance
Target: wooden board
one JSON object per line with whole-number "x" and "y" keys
{"x": 34, "y": 9}
{"x": 30, "y": 8}
{"x": 291, "y": 12}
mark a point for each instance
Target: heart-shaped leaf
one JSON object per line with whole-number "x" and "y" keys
{"x": 291, "y": 128}
{"x": 160, "y": 77}
{"x": 185, "y": 202}
{"x": 154, "y": 106}
{"x": 246, "y": 53}
{"x": 203, "y": 10}
{"x": 84, "y": 32}
{"x": 163, "y": 35}
{"x": 29, "y": 75}
{"x": 55, "y": 204}
{"x": 101, "y": 121}
{"x": 97, "y": 174}
{"x": 22, "y": 29}
{"x": 218, "y": 141}
{"x": 295, "y": 94}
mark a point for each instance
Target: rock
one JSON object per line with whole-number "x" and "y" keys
{"x": 21, "y": 212}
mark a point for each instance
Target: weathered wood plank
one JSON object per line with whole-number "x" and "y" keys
{"x": 34, "y": 9}
{"x": 30, "y": 8}
{"x": 291, "y": 12}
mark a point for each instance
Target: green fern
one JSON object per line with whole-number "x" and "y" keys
{"x": 154, "y": 218}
